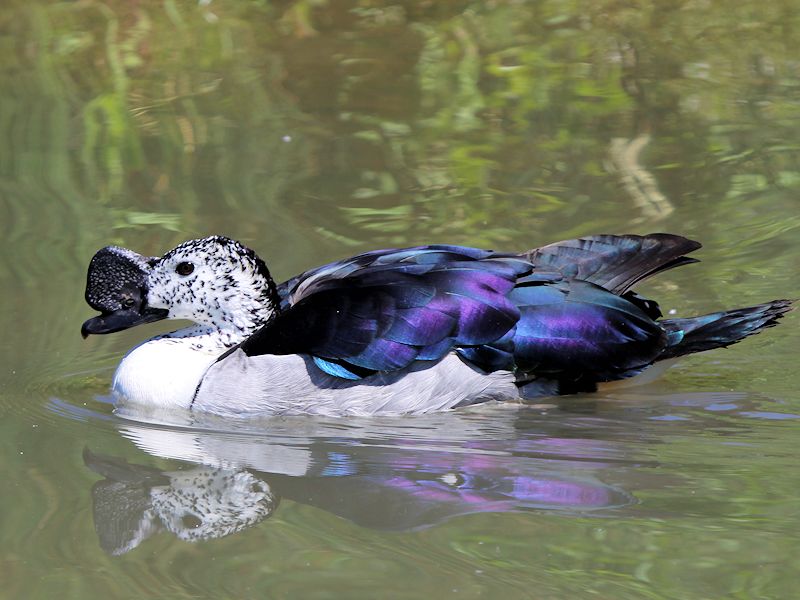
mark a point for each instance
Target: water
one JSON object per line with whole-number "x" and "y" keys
{"x": 312, "y": 131}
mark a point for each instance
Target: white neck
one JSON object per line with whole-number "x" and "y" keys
{"x": 235, "y": 321}
{"x": 206, "y": 338}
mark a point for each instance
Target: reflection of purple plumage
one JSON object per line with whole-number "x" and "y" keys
{"x": 493, "y": 492}
{"x": 561, "y": 493}
{"x": 482, "y": 481}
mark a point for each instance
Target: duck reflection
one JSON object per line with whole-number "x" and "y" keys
{"x": 394, "y": 474}
{"x": 134, "y": 502}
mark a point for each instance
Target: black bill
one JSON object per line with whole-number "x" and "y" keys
{"x": 121, "y": 319}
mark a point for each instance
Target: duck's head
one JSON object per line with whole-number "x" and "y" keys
{"x": 213, "y": 281}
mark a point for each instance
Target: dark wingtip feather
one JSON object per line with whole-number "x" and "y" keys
{"x": 615, "y": 262}
{"x": 722, "y": 329}
{"x": 776, "y": 309}
{"x": 770, "y": 314}
{"x": 686, "y": 245}
{"x": 773, "y": 310}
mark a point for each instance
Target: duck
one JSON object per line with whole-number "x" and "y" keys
{"x": 397, "y": 331}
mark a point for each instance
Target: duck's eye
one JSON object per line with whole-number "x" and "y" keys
{"x": 128, "y": 302}
{"x": 184, "y": 268}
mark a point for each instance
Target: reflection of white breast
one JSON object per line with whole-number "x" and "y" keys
{"x": 284, "y": 444}
{"x": 225, "y": 450}
{"x": 162, "y": 372}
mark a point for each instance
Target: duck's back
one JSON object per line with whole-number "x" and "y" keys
{"x": 563, "y": 311}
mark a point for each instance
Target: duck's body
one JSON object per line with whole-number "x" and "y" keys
{"x": 400, "y": 331}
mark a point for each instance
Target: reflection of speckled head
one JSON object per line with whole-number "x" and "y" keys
{"x": 206, "y": 503}
{"x": 116, "y": 279}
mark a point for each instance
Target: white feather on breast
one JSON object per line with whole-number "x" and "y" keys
{"x": 162, "y": 373}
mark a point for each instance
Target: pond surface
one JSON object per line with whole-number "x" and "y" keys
{"x": 313, "y": 130}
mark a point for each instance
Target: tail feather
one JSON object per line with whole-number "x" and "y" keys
{"x": 720, "y": 329}
{"x": 615, "y": 262}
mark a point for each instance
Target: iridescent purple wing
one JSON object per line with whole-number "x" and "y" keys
{"x": 384, "y": 310}
{"x": 572, "y": 331}
{"x": 553, "y": 312}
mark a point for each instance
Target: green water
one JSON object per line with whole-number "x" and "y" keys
{"x": 313, "y": 130}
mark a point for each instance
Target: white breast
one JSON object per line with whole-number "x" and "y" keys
{"x": 162, "y": 373}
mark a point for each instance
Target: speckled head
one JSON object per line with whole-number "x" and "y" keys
{"x": 214, "y": 281}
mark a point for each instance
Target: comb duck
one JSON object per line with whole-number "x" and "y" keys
{"x": 400, "y": 331}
